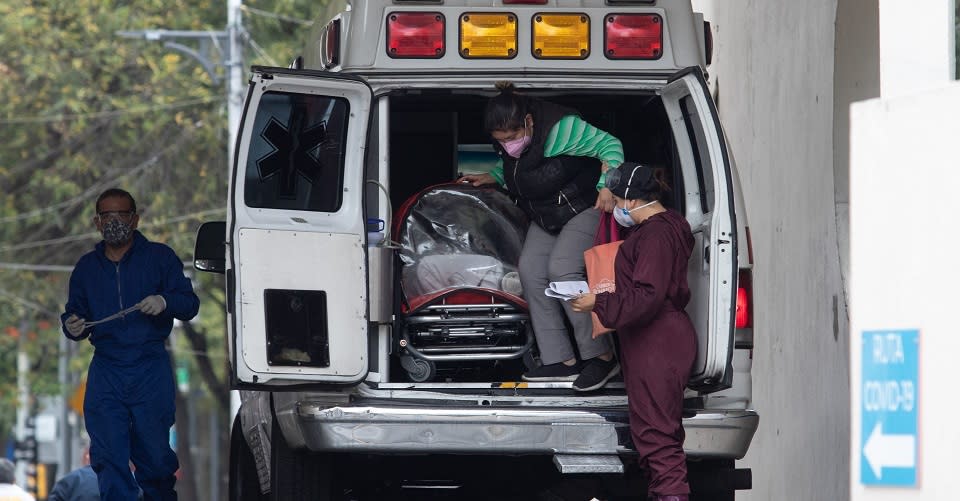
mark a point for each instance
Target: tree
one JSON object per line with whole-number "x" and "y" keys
{"x": 82, "y": 110}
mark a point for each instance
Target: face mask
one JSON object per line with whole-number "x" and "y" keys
{"x": 622, "y": 216}
{"x": 116, "y": 232}
{"x": 515, "y": 147}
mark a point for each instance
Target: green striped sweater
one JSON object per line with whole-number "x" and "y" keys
{"x": 574, "y": 136}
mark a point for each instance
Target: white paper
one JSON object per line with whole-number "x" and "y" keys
{"x": 567, "y": 290}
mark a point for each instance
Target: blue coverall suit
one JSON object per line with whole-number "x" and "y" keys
{"x": 129, "y": 403}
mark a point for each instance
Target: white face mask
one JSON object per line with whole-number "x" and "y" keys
{"x": 622, "y": 215}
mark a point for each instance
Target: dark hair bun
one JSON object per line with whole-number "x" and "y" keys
{"x": 505, "y": 86}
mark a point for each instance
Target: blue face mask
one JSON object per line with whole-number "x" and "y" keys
{"x": 622, "y": 216}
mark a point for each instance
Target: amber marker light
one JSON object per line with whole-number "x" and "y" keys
{"x": 561, "y": 36}
{"x": 488, "y": 35}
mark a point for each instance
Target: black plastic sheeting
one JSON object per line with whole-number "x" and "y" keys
{"x": 461, "y": 236}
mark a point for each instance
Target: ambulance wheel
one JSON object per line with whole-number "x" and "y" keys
{"x": 419, "y": 370}
{"x": 244, "y": 484}
{"x": 298, "y": 473}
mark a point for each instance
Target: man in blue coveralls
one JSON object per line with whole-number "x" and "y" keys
{"x": 124, "y": 296}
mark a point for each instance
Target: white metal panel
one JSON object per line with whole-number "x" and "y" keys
{"x": 719, "y": 239}
{"x": 349, "y": 218}
{"x": 329, "y": 262}
{"x": 302, "y": 249}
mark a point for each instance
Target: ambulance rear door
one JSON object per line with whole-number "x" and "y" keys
{"x": 706, "y": 166}
{"x": 297, "y": 277}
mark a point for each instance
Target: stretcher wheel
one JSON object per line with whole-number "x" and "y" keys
{"x": 418, "y": 370}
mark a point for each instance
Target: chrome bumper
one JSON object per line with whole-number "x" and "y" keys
{"x": 411, "y": 429}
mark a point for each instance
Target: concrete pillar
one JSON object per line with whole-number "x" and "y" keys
{"x": 774, "y": 78}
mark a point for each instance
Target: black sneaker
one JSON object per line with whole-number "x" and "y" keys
{"x": 553, "y": 372}
{"x": 596, "y": 373}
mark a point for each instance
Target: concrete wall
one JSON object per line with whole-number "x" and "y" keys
{"x": 780, "y": 93}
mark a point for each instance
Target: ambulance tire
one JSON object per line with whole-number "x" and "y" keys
{"x": 298, "y": 473}
{"x": 244, "y": 484}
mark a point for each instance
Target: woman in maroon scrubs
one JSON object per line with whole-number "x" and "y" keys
{"x": 657, "y": 338}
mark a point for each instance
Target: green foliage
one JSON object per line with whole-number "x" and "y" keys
{"x": 83, "y": 109}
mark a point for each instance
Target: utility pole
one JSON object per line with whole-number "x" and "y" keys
{"x": 231, "y": 43}
{"x": 66, "y": 431}
{"x": 235, "y": 96}
{"x": 23, "y": 401}
{"x": 235, "y": 74}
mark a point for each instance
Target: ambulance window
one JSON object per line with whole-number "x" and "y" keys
{"x": 701, "y": 153}
{"x": 295, "y": 160}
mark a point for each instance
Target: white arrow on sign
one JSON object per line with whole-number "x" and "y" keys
{"x": 890, "y": 451}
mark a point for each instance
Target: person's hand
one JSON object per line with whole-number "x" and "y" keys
{"x": 605, "y": 201}
{"x": 583, "y": 302}
{"x": 153, "y": 305}
{"x": 477, "y": 179}
{"x": 74, "y": 325}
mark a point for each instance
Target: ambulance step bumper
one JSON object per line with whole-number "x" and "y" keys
{"x": 413, "y": 429}
{"x": 588, "y": 463}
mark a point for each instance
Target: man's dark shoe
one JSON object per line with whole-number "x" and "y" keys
{"x": 596, "y": 373}
{"x": 553, "y": 372}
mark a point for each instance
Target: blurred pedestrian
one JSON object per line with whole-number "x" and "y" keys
{"x": 78, "y": 485}
{"x": 658, "y": 342}
{"x": 9, "y": 491}
{"x": 124, "y": 296}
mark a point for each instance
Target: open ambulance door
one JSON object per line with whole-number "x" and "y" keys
{"x": 712, "y": 274}
{"x": 296, "y": 269}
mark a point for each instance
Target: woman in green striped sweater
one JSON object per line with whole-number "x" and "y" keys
{"x": 552, "y": 163}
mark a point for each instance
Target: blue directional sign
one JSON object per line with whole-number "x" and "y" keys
{"x": 890, "y": 399}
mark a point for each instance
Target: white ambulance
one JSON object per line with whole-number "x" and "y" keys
{"x": 363, "y": 374}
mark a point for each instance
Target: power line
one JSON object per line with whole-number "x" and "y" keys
{"x": 35, "y": 267}
{"x": 97, "y": 188}
{"x": 109, "y": 114}
{"x": 29, "y": 304}
{"x": 260, "y": 52}
{"x": 50, "y": 267}
{"x": 272, "y": 15}
{"x": 94, "y": 234}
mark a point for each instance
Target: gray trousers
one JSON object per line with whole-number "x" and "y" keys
{"x": 549, "y": 258}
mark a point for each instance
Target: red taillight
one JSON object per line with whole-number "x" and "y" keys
{"x": 745, "y": 300}
{"x": 633, "y": 36}
{"x": 331, "y": 49}
{"x": 416, "y": 34}
{"x": 468, "y": 297}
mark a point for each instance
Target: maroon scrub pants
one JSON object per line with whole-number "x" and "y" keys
{"x": 656, "y": 361}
